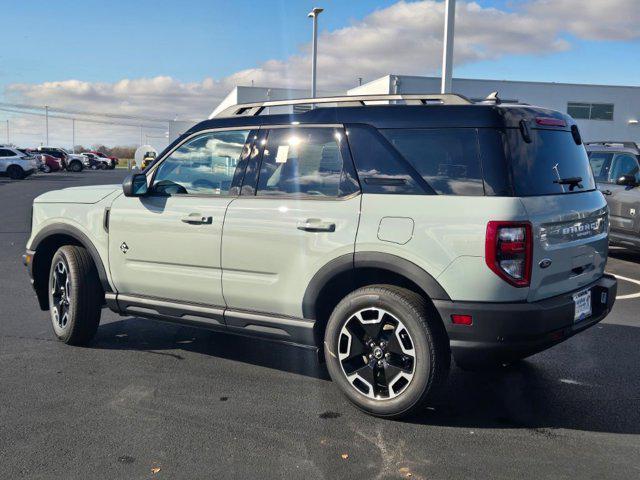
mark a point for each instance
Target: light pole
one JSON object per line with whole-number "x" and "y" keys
{"x": 447, "y": 48}
{"x": 8, "y": 132}
{"x": 46, "y": 123}
{"x": 73, "y": 135}
{"x": 314, "y": 49}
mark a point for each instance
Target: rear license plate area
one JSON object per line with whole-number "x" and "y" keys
{"x": 581, "y": 305}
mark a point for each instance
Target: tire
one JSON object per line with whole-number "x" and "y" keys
{"x": 15, "y": 172}
{"x": 75, "y": 295}
{"x": 411, "y": 348}
{"x": 103, "y": 166}
{"x": 75, "y": 166}
{"x": 46, "y": 168}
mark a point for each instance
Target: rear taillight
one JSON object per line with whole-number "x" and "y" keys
{"x": 508, "y": 251}
{"x": 551, "y": 122}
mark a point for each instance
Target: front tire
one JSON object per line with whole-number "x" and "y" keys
{"x": 15, "y": 172}
{"x": 75, "y": 295}
{"x": 386, "y": 350}
{"x": 75, "y": 166}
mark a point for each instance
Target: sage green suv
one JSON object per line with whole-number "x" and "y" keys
{"x": 389, "y": 232}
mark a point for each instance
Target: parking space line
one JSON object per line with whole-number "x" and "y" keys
{"x": 626, "y": 279}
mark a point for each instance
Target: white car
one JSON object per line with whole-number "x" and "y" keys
{"x": 15, "y": 164}
{"x": 96, "y": 162}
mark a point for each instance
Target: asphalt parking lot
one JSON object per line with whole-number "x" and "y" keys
{"x": 151, "y": 400}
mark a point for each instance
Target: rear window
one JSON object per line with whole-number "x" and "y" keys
{"x": 551, "y": 157}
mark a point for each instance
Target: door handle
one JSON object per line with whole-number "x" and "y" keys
{"x": 316, "y": 225}
{"x": 197, "y": 219}
{"x": 606, "y": 192}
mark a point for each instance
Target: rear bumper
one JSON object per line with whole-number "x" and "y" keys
{"x": 509, "y": 331}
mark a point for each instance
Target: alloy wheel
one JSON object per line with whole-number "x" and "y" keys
{"x": 376, "y": 353}
{"x": 60, "y": 293}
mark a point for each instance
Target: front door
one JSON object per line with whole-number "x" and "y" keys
{"x": 303, "y": 213}
{"x": 166, "y": 244}
{"x": 623, "y": 201}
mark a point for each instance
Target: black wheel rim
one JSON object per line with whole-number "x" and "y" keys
{"x": 60, "y": 295}
{"x": 376, "y": 354}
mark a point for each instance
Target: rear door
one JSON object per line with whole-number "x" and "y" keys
{"x": 166, "y": 244}
{"x": 298, "y": 211}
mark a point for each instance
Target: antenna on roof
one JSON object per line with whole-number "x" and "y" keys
{"x": 493, "y": 97}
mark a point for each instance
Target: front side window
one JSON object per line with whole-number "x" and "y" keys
{"x": 600, "y": 163}
{"x": 623, "y": 164}
{"x": 447, "y": 159}
{"x": 204, "y": 165}
{"x": 302, "y": 162}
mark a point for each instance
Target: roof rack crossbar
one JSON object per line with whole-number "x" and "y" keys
{"x": 252, "y": 109}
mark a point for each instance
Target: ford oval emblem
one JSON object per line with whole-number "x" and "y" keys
{"x": 545, "y": 263}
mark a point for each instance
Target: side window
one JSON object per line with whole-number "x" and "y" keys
{"x": 203, "y": 165}
{"x": 301, "y": 162}
{"x": 600, "y": 163}
{"x": 447, "y": 159}
{"x": 624, "y": 164}
{"x": 5, "y": 153}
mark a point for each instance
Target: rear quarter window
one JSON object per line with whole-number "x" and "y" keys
{"x": 447, "y": 159}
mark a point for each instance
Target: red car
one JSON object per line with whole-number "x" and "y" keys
{"x": 48, "y": 163}
{"x": 113, "y": 161}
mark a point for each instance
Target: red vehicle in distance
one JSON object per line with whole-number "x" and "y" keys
{"x": 48, "y": 163}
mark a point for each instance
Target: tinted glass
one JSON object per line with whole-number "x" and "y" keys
{"x": 623, "y": 164}
{"x": 579, "y": 110}
{"x": 537, "y": 167}
{"x": 302, "y": 161}
{"x": 204, "y": 165}
{"x": 600, "y": 163}
{"x": 447, "y": 159}
{"x": 6, "y": 153}
{"x": 381, "y": 168}
{"x": 495, "y": 167}
{"x": 602, "y": 111}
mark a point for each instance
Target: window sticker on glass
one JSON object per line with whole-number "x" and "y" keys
{"x": 283, "y": 154}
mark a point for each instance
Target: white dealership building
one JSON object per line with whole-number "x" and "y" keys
{"x": 603, "y": 112}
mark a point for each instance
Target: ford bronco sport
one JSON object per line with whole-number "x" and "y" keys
{"x": 390, "y": 232}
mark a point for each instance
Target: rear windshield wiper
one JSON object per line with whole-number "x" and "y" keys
{"x": 573, "y": 182}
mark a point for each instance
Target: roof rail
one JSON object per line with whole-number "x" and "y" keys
{"x": 252, "y": 109}
{"x": 610, "y": 143}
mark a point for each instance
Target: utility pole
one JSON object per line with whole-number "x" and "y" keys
{"x": 141, "y": 136}
{"x": 447, "y": 47}
{"x": 73, "y": 135}
{"x": 314, "y": 49}
{"x": 46, "y": 122}
{"x": 8, "y": 132}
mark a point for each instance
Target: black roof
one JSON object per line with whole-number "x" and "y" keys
{"x": 397, "y": 116}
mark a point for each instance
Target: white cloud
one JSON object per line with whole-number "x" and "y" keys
{"x": 403, "y": 38}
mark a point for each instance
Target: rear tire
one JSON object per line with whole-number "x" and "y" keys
{"x": 15, "y": 172}
{"x": 75, "y": 295}
{"x": 46, "y": 168}
{"x": 386, "y": 351}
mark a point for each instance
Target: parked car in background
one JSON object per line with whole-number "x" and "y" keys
{"x": 69, "y": 163}
{"x": 111, "y": 161}
{"x": 97, "y": 162}
{"x": 616, "y": 169}
{"x": 390, "y": 238}
{"x": 50, "y": 163}
{"x": 16, "y": 164}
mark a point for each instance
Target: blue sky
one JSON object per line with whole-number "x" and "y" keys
{"x": 179, "y": 59}
{"x": 190, "y": 40}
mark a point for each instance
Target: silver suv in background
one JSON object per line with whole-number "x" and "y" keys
{"x": 616, "y": 169}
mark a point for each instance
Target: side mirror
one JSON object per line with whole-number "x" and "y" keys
{"x": 627, "y": 181}
{"x": 135, "y": 185}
